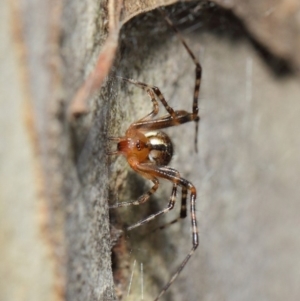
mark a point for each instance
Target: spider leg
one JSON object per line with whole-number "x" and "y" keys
{"x": 198, "y": 74}
{"x": 162, "y": 100}
{"x": 155, "y": 107}
{"x": 173, "y": 176}
{"x": 116, "y": 140}
{"x": 153, "y": 216}
{"x": 154, "y": 90}
{"x": 142, "y": 199}
{"x": 165, "y": 121}
{"x": 145, "y": 87}
{"x": 174, "y": 117}
{"x": 195, "y": 242}
{"x": 183, "y": 211}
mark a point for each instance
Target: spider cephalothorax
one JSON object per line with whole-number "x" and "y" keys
{"x": 148, "y": 151}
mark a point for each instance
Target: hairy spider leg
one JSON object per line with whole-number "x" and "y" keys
{"x": 155, "y": 109}
{"x": 174, "y": 118}
{"x": 163, "y": 211}
{"x": 154, "y": 91}
{"x": 173, "y": 176}
{"x": 182, "y": 214}
{"x": 143, "y": 198}
{"x": 198, "y": 74}
{"x": 114, "y": 139}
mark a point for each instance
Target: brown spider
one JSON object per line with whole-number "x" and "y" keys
{"x": 148, "y": 151}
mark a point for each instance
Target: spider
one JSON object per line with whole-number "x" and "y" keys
{"x": 149, "y": 150}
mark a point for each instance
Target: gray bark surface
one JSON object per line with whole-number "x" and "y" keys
{"x": 57, "y": 182}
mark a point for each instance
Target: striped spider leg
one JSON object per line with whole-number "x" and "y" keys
{"x": 149, "y": 150}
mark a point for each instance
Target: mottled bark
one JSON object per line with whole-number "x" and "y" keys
{"x": 56, "y": 180}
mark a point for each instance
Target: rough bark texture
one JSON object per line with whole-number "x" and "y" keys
{"x": 56, "y": 184}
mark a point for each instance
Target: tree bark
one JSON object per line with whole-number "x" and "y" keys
{"x": 57, "y": 181}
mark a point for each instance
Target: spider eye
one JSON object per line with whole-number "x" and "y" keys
{"x": 138, "y": 145}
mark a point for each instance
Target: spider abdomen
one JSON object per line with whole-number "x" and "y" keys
{"x": 161, "y": 147}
